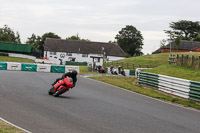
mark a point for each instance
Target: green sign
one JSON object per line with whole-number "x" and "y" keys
{"x": 3, "y": 66}
{"x": 57, "y": 69}
{"x": 29, "y": 67}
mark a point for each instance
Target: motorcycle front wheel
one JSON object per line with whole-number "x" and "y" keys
{"x": 58, "y": 92}
{"x": 51, "y": 91}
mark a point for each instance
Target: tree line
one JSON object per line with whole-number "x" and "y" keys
{"x": 129, "y": 38}
{"x": 182, "y": 30}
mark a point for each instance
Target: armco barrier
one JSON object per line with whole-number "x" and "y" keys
{"x": 14, "y": 66}
{"x": 36, "y": 67}
{"x": 29, "y": 67}
{"x": 148, "y": 79}
{"x": 43, "y": 68}
{"x": 194, "y": 91}
{"x": 176, "y": 86}
{"x": 3, "y": 66}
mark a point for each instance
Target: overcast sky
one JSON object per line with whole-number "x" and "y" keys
{"x": 97, "y": 20}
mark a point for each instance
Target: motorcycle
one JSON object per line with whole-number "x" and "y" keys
{"x": 61, "y": 87}
{"x": 114, "y": 71}
{"x": 123, "y": 72}
{"x": 101, "y": 70}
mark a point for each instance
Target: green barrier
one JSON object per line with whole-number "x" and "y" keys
{"x": 15, "y": 47}
{"x": 106, "y": 69}
{"x": 57, "y": 69}
{"x": 132, "y": 72}
{"x": 29, "y": 67}
{"x": 194, "y": 93}
{"x": 149, "y": 79}
{"x": 90, "y": 69}
{"x": 3, "y": 66}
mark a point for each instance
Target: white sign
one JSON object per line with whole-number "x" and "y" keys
{"x": 43, "y": 68}
{"x": 14, "y": 66}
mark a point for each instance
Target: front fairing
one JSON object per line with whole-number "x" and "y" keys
{"x": 69, "y": 82}
{"x": 59, "y": 83}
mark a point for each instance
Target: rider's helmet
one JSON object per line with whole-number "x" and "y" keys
{"x": 74, "y": 73}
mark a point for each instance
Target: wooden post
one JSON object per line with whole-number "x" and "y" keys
{"x": 187, "y": 60}
{"x": 133, "y": 66}
{"x": 199, "y": 62}
{"x": 182, "y": 60}
{"x": 193, "y": 61}
{"x": 177, "y": 60}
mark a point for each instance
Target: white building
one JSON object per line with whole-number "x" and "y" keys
{"x": 59, "y": 50}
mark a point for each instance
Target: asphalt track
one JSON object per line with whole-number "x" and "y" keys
{"x": 90, "y": 107}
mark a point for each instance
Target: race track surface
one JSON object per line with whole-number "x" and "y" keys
{"x": 90, "y": 107}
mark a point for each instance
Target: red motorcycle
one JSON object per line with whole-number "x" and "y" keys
{"x": 61, "y": 87}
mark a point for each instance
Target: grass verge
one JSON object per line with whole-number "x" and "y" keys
{"x": 154, "y": 59}
{"x": 130, "y": 84}
{"x": 176, "y": 71}
{"x": 6, "y": 128}
{"x": 14, "y": 59}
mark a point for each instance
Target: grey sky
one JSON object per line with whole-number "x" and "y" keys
{"x": 97, "y": 20}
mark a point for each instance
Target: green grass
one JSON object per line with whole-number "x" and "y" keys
{"x": 130, "y": 84}
{"x": 161, "y": 61}
{"x": 14, "y": 59}
{"x": 176, "y": 71}
{"x": 6, "y": 128}
{"x": 154, "y": 59}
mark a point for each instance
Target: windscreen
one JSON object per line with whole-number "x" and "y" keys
{"x": 70, "y": 79}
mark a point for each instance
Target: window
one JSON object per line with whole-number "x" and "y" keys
{"x": 84, "y": 55}
{"x": 96, "y": 59}
{"x": 69, "y": 54}
{"x": 52, "y": 53}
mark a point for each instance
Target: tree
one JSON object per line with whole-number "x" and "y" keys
{"x": 77, "y": 38}
{"x": 8, "y": 35}
{"x": 186, "y": 30}
{"x": 130, "y": 40}
{"x": 73, "y": 38}
{"x": 197, "y": 38}
{"x": 47, "y": 35}
{"x": 34, "y": 41}
{"x": 112, "y": 42}
{"x": 38, "y": 42}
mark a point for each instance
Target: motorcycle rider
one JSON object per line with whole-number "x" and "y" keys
{"x": 119, "y": 69}
{"x": 72, "y": 74}
{"x": 111, "y": 69}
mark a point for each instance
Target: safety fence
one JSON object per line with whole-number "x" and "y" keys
{"x": 15, "y": 66}
{"x": 180, "y": 87}
{"x": 185, "y": 60}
